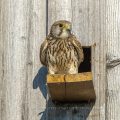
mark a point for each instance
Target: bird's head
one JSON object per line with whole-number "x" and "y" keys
{"x": 61, "y": 29}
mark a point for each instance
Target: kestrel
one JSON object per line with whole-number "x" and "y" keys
{"x": 61, "y": 52}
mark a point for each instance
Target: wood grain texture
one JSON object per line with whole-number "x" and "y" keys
{"x": 1, "y": 60}
{"x": 36, "y": 98}
{"x": 56, "y": 87}
{"x": 22, "y": 28}
{"x": 71, "y": 88}
{"x": 61, "y": 87}
{"x": 79, "y": 87}
{"x": 88, "y": 24}
{"x": 113, "y": 54}
{"x": 84, "y": 76}
{"x": 58, "y": 10}
{"x": 23, "y": 25}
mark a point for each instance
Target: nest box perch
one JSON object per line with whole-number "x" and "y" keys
{"x": 73, "y": 87}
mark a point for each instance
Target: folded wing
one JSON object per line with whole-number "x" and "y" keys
{"x": 43, "y": 52}
{"x": 78, "y": 48}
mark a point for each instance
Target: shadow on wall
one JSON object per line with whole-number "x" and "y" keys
{"x": 40, "y": 81}
{"x": 68, "y": 111}
{"x": 59, "y": 111}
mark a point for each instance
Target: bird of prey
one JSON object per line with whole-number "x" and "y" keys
{"x": 61, "y": 52}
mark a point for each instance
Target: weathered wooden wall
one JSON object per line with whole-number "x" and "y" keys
{"x": 113, "y": 59}
{"x": 24, "y": 25}
{"x": 87, "y": 17}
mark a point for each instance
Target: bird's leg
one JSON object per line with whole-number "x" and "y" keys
{"x": 73, "y": 70}
{"x": 51, "y": 71}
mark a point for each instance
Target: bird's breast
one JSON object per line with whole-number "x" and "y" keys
{"x": 61, "y": 53}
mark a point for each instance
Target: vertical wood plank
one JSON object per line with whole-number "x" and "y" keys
{"x": 113, "y": 55}
{"x": 58, "y": 10}
{"x": 15, "y": 54}
{"x": 22, "y": 29}
{"x": 88, "y": 23}
{"x": 1, "y": 60}
{"x": 35, "y": 74}
{"x": 88, "y": 19}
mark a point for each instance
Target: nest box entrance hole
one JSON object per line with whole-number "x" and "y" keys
{"x": 86, "y": 64}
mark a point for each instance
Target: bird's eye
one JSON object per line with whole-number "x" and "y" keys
{"x": 60, "y": 25}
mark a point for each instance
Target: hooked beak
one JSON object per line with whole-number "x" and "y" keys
{"x": 67, "y": 27}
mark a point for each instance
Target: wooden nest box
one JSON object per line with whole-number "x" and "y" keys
{"x": 73, "y": 87}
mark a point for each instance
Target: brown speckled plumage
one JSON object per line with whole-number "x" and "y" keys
{"x": 61, "y": 54}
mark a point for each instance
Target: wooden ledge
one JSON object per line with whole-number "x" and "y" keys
{"x": 71, "y": 87}
{"x": 86, "y": 76}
